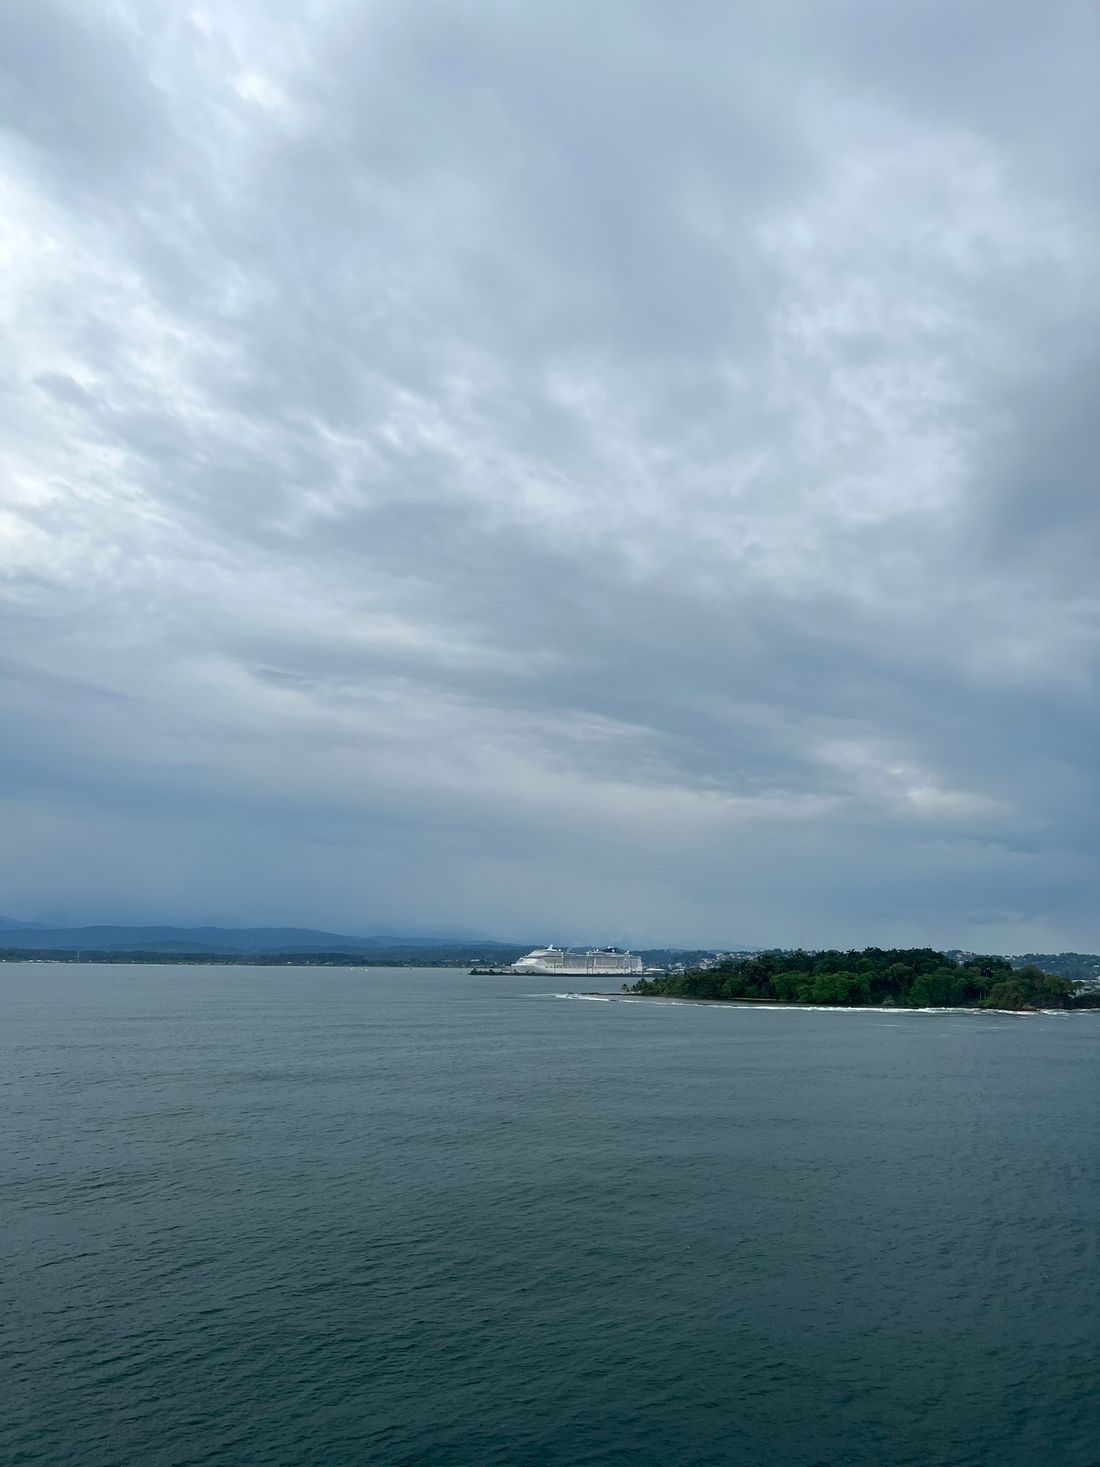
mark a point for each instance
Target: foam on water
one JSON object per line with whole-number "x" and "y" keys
{"x": 884, "y": 1011}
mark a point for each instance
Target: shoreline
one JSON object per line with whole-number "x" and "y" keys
{"x": 724, "y": 1002}
{"x": 862, "y": 1008}
{"x": 358, "y": 965}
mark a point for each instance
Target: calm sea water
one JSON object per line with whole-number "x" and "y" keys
{"x": 292, "y": 1216}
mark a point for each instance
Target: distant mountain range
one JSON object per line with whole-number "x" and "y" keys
{"x": 308, "y": 943}
{"x": 34, "y": 935}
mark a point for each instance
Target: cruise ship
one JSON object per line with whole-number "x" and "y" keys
{"x": 559, "y": 962}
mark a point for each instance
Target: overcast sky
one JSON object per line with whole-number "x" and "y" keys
{"x": 619, "y": 471}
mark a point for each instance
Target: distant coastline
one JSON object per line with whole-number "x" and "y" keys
{"x": 913, "y": 978}
{"x": 426, "y": 958}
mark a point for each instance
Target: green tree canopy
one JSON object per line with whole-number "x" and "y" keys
{"x": 899, "y": 977}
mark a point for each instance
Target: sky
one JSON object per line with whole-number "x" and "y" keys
{"x": 619, "y": 472}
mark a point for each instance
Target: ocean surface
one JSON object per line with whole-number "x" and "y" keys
{"x": 392, "y": 1217}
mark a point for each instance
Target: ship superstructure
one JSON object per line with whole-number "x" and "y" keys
{"x": 595, "y": 961}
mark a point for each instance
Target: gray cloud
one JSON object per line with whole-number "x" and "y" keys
{"x": 560, "y": 472}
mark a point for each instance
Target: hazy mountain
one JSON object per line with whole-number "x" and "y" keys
{"x": 212, "y": 939}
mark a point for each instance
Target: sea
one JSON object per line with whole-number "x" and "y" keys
{"x": 417, "y": 1218}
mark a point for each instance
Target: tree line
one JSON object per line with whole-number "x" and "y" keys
{"x": 894, "y": 977}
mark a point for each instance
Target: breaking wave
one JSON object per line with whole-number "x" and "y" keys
{"x": 876, "y": 1010}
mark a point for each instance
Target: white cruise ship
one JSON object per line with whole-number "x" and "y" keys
{"x": 560, "y": 962}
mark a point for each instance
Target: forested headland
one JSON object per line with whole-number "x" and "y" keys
{"x": 891, "y": 977}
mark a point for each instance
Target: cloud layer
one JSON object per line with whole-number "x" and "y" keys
{"x": 563, "y": 471}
